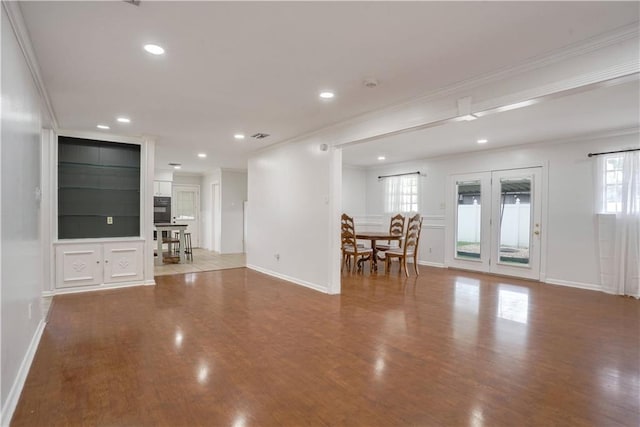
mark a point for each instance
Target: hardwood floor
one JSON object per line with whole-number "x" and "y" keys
{"x": 238, "y": 348}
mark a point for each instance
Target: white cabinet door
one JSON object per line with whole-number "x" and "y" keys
{"x": 78, "y": 265}
{"x": 123, "y": 262}
{"x": 162, "y": 188}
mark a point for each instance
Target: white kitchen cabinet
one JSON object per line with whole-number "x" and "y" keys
{"x": 162, "y": 188}
{"x": 99, "y": 264}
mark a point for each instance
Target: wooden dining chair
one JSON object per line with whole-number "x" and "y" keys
{"x": 409, "y": 248}
{"x": 396, "y": 228}
{"x": 350, "y": 248}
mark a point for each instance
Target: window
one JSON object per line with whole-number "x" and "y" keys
{"x": 401, "y": 194}
{"x": 619, "y": 190}
{"x": 185, "y": 205}
{"x": 612, "y": 184}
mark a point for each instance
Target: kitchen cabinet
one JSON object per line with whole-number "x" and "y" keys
{"x": 162, "y": 188}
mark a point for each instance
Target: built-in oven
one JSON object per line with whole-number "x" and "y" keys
{"x": 162, "y": 210}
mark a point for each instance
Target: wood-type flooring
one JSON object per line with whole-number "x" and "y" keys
{"x": 240, "y": 348}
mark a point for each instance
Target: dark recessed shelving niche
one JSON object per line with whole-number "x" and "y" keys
{"x": 98, "y": 180}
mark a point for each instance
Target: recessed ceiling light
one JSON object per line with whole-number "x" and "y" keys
{"x": 238, "y": 136}
{"x": 124, "y": 119}
{"x": 381, "y": 157}
{"x": 483, "y": 141}
{"x": 154, "y": 49}
{"x": 177, "y": 167}
{"x": 327, "y": 94}
{"x": 202, "y": 155}
{"x": 103, "y": 127}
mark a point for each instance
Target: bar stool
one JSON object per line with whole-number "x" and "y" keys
{"x": 188, "y": 249}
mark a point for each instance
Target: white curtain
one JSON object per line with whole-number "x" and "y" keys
{"x": 619, "y": 225}
{"x": 401, "y": 194}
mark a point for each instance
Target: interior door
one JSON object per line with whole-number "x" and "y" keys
{"x": 516, "y": 222}
{"x": 185, "y": 206}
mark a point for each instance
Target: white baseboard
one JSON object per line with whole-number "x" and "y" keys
{"x": 21, "y": 377}
{"x": 432, "y": 264}
{"x": 588, "y": 286}
{"x": 304, "y": 283}
{"x": 101, "y": 287}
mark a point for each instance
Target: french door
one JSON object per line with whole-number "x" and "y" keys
{"x": 496, "y": 222}
{"x": 186, "y": 210}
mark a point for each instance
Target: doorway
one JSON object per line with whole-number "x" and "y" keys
{"x": 216, "y": 224}
{"x": 186, "y": 210}
{"x": 495, "y": 222}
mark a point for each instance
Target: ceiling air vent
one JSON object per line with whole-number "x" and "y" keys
{"x": 260, "y": 135}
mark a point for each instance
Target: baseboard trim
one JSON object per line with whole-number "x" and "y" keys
{"x": 432, "y": 264}
{"x": 21, "y": 377}
{"x": 304, "y": 283}
{"x": 579, "y": 285}
{"x": 101, "y": 287}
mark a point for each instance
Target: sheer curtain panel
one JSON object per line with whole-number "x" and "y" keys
{"x": 618, "y": 198}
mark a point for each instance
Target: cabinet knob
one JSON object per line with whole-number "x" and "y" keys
{"x": 97, "y": 262}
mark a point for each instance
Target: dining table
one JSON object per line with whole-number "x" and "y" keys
{"x": 373, "y": 236}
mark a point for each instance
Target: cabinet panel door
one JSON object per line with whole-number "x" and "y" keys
{"x": 78, "y": 265}
{"x": 123, "y": 262}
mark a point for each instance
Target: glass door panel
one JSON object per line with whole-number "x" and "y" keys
{"x": 515, "y": 220}
{"x": 469, "y": 224}
{"x": 468, "y": 229}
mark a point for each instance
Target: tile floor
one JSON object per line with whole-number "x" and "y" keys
{"x": 203, "y": 260}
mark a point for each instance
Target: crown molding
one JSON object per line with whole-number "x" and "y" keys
{"x": 601, "y": 41}
{"x": 14, "y": 14}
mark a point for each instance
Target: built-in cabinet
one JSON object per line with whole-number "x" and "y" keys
{"x": 102, "y": 236}
{"x": 92, "y": 264}
{"x": 162, "y": 188}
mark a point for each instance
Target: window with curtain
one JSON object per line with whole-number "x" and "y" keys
{"x": 618, "y": 195}
{"x": 401, "y": 194}
{"x": 615, "y": 185}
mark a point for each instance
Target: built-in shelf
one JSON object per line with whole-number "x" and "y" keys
{"x": 98, "y": 180}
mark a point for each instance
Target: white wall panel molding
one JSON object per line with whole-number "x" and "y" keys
{"x": 284, "y": 277}
{"x": 431, "y": 264}
{"x": 21, "y": 377}
{"x": 433, "y": 226}
{"x": 12, "y": 8}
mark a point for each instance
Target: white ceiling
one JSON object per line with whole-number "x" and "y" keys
{"x": 258, "y": 66}
{"x": 591, "y": 112}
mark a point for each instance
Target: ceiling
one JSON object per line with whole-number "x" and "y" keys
{"x": 591, "y": 112}
{"x": 258, "y": 66}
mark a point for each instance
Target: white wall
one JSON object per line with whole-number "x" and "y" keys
{"x": 234, "y": 193}
{"x": 354, "y": 191}
{"x": 571, "y": 247}
{"x": 21, "y": 256}
{"x": 187, "y": 179}
{"x": 294, "y": 213}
